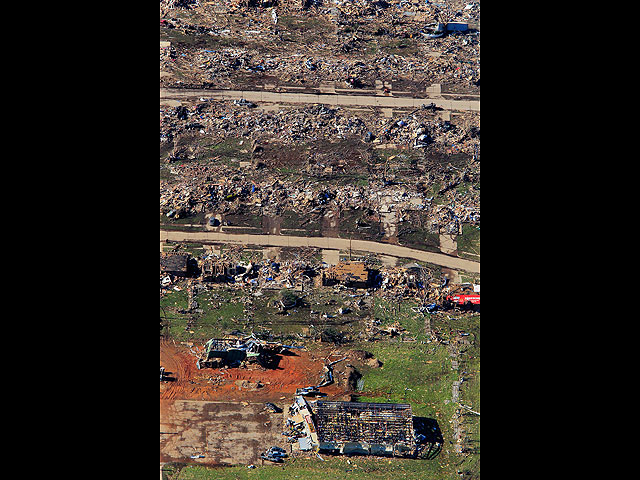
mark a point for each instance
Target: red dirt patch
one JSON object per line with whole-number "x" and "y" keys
{"x": 296, "y": 370}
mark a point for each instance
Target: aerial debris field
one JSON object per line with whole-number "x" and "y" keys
{"x": 319, "y": 239}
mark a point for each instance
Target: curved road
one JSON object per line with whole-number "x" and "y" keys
{"x": 326, "y": 99}
{"x": 324, "y": 243}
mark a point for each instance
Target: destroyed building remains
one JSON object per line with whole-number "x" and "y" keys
{"x": 365, "y": 428}
{"x": 176, "y": 264}
{"x": 320, "y": 237}
{"x": 355, "y": 428}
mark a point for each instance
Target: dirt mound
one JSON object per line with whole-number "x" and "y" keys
{"x": 351, "y": 378}
{"x": 366, "y": 358}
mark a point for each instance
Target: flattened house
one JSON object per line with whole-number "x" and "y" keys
{"x": 176, "y": 264}
{"x": 351, "y": 274}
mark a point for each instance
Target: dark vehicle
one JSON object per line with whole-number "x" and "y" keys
{"x": 244, "y": 103}
{"x": 274, "y": 454}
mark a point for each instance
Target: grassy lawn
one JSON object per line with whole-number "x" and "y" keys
{"x": 357, "y": 468}
{"x": 469, "y": 243}
{"x": 221, "y": 312}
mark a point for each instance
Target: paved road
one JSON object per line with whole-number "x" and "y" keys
{"x": 168, "y": 94}
{"x": 324, "y": 243}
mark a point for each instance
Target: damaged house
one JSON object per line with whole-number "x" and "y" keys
{"x": 176, "y": 264}
{"x": 354, "y": 428}
{"x": 229, "y": 352}
{"x": 349, "y": 274}
{"x": 216, "y": 270}
{"x": 232, "y": 352}
{"x": 365, "y": 428}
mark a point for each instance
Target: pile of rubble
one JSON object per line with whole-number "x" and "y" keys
{"x": 411, "y": 281}
{"x": 385, "y": 41}
{"x": 416, "y": 129}
{"x": 211, "y": 186}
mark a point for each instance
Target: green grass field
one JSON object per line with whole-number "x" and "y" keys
{"x": 356, "y": 468}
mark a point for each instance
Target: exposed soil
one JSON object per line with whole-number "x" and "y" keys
{"x": 216, "y": 433}
{"x": 296, "y": 370}
{"x": 218, "y": 416}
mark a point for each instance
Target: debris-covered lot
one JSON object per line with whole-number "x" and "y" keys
{"x": 314, "y": 163}
{"x": 349, "y": 132}
{"x": 390, "y": 42}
